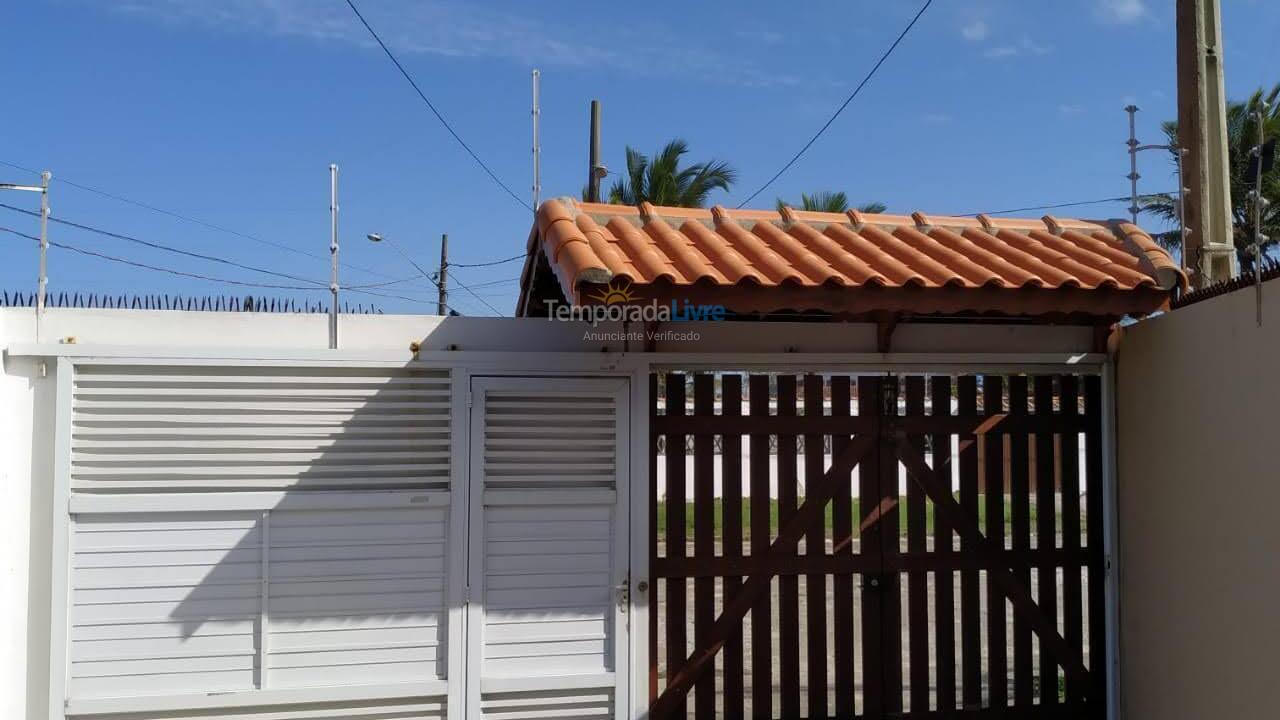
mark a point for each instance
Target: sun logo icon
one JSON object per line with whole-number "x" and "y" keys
{"x": 616, "y": 292}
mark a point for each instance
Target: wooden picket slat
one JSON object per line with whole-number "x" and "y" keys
{"x": 788, "y": 585}
{"x": 890, "y": 588}
{"x": 917, "y": 580}
{"x": 704, "y": 544}
{"x": 731, "y": 512}
{"x": 871, "y": 540}
{"x": 1046, "y": 519}
{"x": 993, "y": 494}
{"x": 842, "y": 546}
{"x": 677, "y": 639}
{"x": 970, "y": 608}
{"x": 761, "y": 630}
{"x": 1020, "y": 529}
{"x": 815, "y": 544}
{"x": 943, "y": 547}
{"x": 1072, "y": 602}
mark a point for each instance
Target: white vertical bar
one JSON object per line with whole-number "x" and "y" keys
{"x": 264, "y": 613}
{"x": 1110, "y": 538}
{"x": 456, "y": 636}
{"x": 60, "y": 555}
{"x": 622, "y": 554}
{"x": 475, "y": 547}
{"x": 638, "y": 412}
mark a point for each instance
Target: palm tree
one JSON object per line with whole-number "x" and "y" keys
{"x": 832, "y": 202}
{"x": 1242, "y": 135}
{"x": 662, "y": 181}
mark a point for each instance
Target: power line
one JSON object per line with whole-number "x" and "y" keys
{"x": 199, "y": 276}
{"x": 194, "y": 220}
{"x": 490, "y": 263}
{"x": 167, "y": 248}
{"x": 433, "y": 109}
{"x": 490, "y": 283}
{"x": 1077, "y": 203}
{"x": 230, "y": 231}
{"x": 843, "y": 105}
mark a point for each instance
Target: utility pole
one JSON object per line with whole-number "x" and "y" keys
{"x": 595, "y": 171}
{"x": 1202, "y": 130}
{"x": 442, "y": 306}
{"x": 333, "y": 257}
{"x": 537, "y": 147}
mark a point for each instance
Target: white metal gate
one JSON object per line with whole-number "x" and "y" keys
{"x": 252, "y": 540}
{"x": 547, "y": 578}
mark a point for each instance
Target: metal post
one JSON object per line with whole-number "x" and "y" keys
{"x": 442, "y": 307}
{"x": 1133, "y": 162}
{"x": 1180, "y": 157}
{"x": 333, "y": 257}
{"x": 43, "y": 281}
{"x": 593, "y": 159}
{"x": 1259, "y": 202}
{"x": 537, "y": 150}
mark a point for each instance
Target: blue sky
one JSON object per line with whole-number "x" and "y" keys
{"x": 231, "y": 110}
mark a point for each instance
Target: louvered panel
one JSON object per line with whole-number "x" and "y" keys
{"x": 547, "y": 590}
{"x": 414, "y": 709}
{"x": 590, "y": 704}
{"x": 356, "y": 596}
{"x": 164, "y": 603}
{"x": 549, "y": 441}
{"x": 223, "y": 427}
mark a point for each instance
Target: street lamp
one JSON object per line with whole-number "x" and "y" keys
{"x": 43, "y": 282}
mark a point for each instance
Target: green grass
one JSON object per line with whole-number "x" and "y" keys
{"x": 773, "y": 517}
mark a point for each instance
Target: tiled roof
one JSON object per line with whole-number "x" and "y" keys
{"x": 853, "y": 263}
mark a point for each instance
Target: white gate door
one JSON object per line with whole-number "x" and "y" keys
{"x": 547, "y": 575}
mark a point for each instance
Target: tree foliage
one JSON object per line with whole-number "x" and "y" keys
{"x": 832, "y": 202}
{"x": 662, "y": 181}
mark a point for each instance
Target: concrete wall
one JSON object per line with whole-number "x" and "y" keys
{"x": 1199, "y": 496}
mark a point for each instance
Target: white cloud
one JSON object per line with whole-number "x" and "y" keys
{"x": 935, "y": 118}
{"x": 1023, "y": 48}
{"x": 1120, "y": 12}
{"x": 1070, "y": 109}
{"x": 974, "y": 31}
{"x": 469, "y": 30}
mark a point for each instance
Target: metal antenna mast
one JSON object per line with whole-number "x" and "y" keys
{"x": 333, "y": 257}
{"x": 42, "y": 280}
{"x": 1260, "y": 163}
{"x": 537, "y": 148}
{"x": 1178, "y": 155}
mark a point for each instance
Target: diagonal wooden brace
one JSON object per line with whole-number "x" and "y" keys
{"x": 737, "y": 607}
{"x": 967, "y": 527}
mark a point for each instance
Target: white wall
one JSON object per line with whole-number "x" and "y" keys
{"x": 1199, "y": 486}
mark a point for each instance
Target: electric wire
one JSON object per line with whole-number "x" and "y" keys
{"x": 433, "y": 109}
{"x": 843, "y": 105}
{"x": 1053, "y": 206}
{"x": 236, "y": 233}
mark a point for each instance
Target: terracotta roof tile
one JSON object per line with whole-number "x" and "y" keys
{"x": 796, "y": 260}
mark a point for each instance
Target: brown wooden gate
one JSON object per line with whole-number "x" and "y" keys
{"x": 977, "y": 592}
